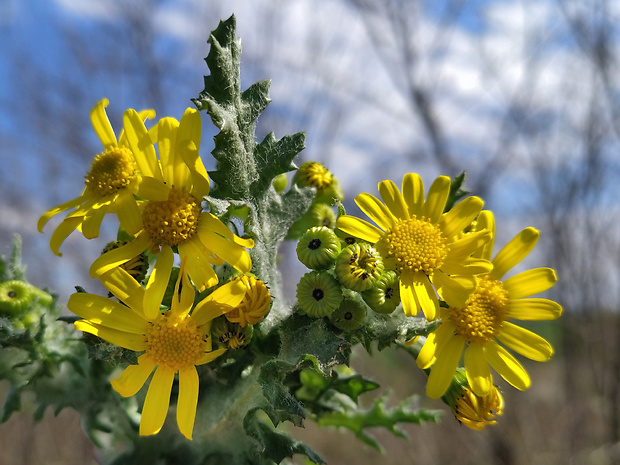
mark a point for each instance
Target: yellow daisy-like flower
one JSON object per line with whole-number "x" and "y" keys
{"x": 482, "y": 323}
{"x": 111, "y": 183}
{"x": 421, "y": 242}
{"x": 175, "y": 341}
{"x": 176, "y": 219}
{"x": 255, "y": 304}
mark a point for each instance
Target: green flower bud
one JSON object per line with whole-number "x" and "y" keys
{"x": 319, "y": 214}
{"x": 231, "y": 335}
{"x": 331, "y": 194}
{"x": 279, "y": 183}
{"x": 359, "y": 266}
{"x": 318, "y": 247}
{"x": 384, "y": 295}
{"x": 349, "y": 315}
{"x": 315, "y": 174}
{"x": 15, "y": 297}
{"x": 318, "y": 293}
{"x": 136, "y": 267}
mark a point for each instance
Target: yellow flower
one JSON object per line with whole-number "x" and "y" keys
{"x": 172, "y": 215}
{"x": 255, "y": 305}
{"x": 475, "y": 412}
{"x": 111, "y": 183}
{"x": 479, "y": 326}
{"x": 421, "y": 242}
{"x": 174, "y": 341}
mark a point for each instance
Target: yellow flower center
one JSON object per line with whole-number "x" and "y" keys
{"x": 484, "y": 311}
{"x": 172, "y": 221}
{"x": 316, "y": 175}
{"x": 417, "y": 245}
{"x": 110, "y": 171}
{"x": 175, "y": 343}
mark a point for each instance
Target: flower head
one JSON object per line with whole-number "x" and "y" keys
{"x": 173, "y": 341}
{"x": 172, "y": 215}
{"x": 483, "y": 322}
{"x": 421, "y": 242}
{"x": 255, "y": 305}
{"x": 474, "y": 411}
{"x": 110, "y": 184}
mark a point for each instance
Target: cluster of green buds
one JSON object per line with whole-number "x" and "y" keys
{"x": 347, "y": 277}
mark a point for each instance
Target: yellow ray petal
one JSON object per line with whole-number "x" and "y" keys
{"x": 120, "y": 255}
{"x": 128, "y": 213}
{"x": 233, "y": 254}
{"x": 507, "y": 366}
{"x": 359, "y": 228}
{"x": 448, "y": 357}
{"x": 393, "y": 200}
{"x": 59, "y": 209}
{"x": 525, "y": 342}
{"x": 190, "y": 128}
{"x": 182, "y": 301}
{"x": 143, "y": 115}
{"x": 188, "y": 134}
{"x": 436, "y": 199}
{"x": 530, "y": 282}
{"x": 468, "y": 244}
{"x": 425, "y": 295}
{"x": 129, "y": 291}
{"x": 220, "y": 301}
{"x": 188, "y": 400}
{"x": 485, "y": 221}
{"x": 455, "y": 290}
{"x": 157, "y": 283}
{"x": 153, "y": 189}
{"x": 460, "y": 216}
{"x": 469, "y": 266}
{"x": 375, "y": 210}
{"x": 200, "y": 179}
{"x": 208, "y": 221}
{"x": 101, "y": 124}
{"x": 413, "y": 194}
{"x": 513, "y": 252}
{"x": 133, "y": 377}
{"x": 156, "y": 402}
{"x": 198, "y": 268}
{"x": 93, "y": 218}
{"x": 210, "y": 356}
{"x": 477, "y": 370}
{"x": 130, "y": 341}
{"x": 102, "y": 311}
{"x": 436, "y": 339}
{"x": 534, "y": 309}
{"x": 166, "y": 141}
{"x": 141, "y": 145}
{"x": 66, "y": 227}
{"x": 411, "y": 306}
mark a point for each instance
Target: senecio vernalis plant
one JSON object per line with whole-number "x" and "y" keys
{"x": 194, "y": 355}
